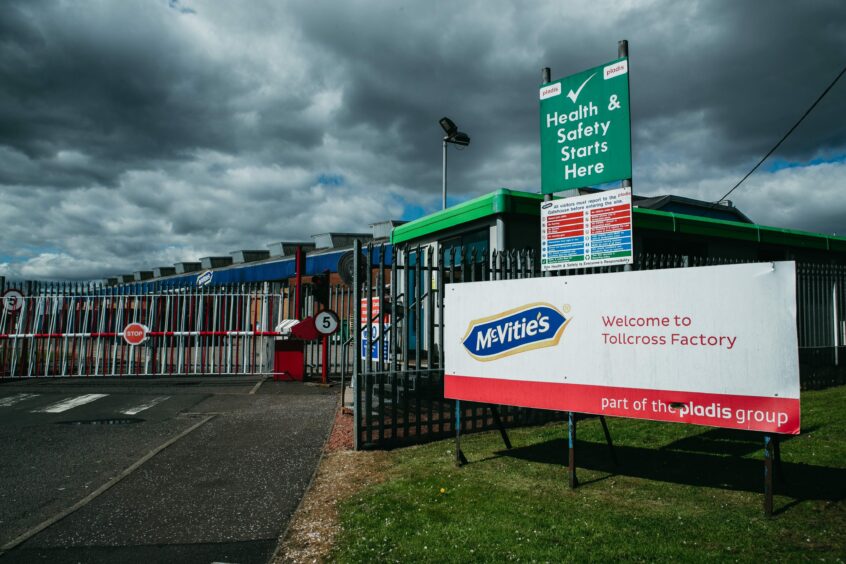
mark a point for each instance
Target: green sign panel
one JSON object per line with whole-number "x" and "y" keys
{"x": 585, "y": 128}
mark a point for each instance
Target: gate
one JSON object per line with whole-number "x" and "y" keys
{"x": 71, "y": 329}
{"x": 398, "y": 380}
{"x": 60, "y": 329}
{"x": 77, "y": 330}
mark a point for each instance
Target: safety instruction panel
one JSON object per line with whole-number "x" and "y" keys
{"x": 586, "y": 231}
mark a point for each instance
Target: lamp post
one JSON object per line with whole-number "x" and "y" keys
{"x": 456, "y": 138}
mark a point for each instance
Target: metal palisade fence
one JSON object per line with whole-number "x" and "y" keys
{"x": 398, "y": 375}
{"x": 70, "y": 329}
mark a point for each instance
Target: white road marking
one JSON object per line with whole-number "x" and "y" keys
{"x": 70, "y": 403}
{"x": 12, "y": 400}
{"x": 139, "y": 408}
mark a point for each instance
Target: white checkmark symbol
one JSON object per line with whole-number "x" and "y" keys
{"x": 573, "y": 95}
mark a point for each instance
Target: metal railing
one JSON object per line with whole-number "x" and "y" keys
{"x": 399, "y": 387}
{"x": 79, "y": 332}
{"x": 71, "y": 329}
{"x": 65, "y": 329}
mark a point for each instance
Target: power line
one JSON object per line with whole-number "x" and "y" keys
{"x": 786, "y": 135}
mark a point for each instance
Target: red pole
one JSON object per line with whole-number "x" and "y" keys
{"x": 324, "y": 359}
{"x": 300, "y": 265}
{"x": 107, "y": 349}
{"x": 156, "y": 317}
{"x": 75, "y": 329}
{"x": 205, "y": 340}
{"x": 238, "y": 327}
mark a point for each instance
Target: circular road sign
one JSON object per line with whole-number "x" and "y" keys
{"x": 13, "y": 300}
{"x": 326, "y": 322}
{"x": 135, "y": 333}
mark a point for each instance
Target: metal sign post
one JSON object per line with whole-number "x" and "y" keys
{"x": 327, "y": 323}
{"x": 571, "y": 442}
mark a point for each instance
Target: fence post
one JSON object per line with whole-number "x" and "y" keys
{"x": 441, "y": 273}
{"x": 356, "y": 330}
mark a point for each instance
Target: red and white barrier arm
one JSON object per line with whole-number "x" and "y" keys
{"x": 150, "y": 333}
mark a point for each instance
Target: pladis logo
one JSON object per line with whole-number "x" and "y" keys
{"x": 532, "y": 326}
{"x": 550, "y": 91}
{"x": 616, "y": 69}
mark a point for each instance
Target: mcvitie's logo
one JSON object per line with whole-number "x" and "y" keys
{"x": 532, "y": 326}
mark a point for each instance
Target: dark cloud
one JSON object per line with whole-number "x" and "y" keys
{"x": 137, "y": 133}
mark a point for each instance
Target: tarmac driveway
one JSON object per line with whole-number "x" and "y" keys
{"x": 213, "y": 473}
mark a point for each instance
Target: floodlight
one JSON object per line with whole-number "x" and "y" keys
{"x": 460, "y": 138}
{"x": 448, "y": 126}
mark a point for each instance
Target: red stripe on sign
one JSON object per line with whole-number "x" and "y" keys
{"x": 552, "y": 235}
{"x": 566, "y": 221}
{"x": 564, "y": 216}
{"x": 751, "y": 413}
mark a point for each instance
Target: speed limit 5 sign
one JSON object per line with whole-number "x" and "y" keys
{"x": 326, "y": 322}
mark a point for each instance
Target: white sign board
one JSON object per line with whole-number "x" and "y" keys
{"x": 710, "y": 346}
{"x": 587, "y": 231}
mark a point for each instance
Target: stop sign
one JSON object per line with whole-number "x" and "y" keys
{"x": 135, "y": 333}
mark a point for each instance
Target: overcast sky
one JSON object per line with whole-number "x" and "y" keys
{"x": 136, "y": 134}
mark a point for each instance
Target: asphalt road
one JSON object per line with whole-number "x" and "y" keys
{"x": 201, "y": 470}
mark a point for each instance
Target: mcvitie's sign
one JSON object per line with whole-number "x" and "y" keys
{"x": 710, "y": 346}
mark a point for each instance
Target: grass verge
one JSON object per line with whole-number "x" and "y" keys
{"x": 680, "y": 492}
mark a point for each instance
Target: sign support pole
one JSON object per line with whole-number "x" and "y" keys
{"x": 608, "y": 439}
{"x": 498, "y": 422}
{"x": 571, "y": 439}
{"x": 772, "y": 470}
{"x": 623, "y": 51}
{"x": 324, "y": 360}
{"x": 459, "y": 456}
{"x": 768, "y": 476}
{"x": 546, "y": 78}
